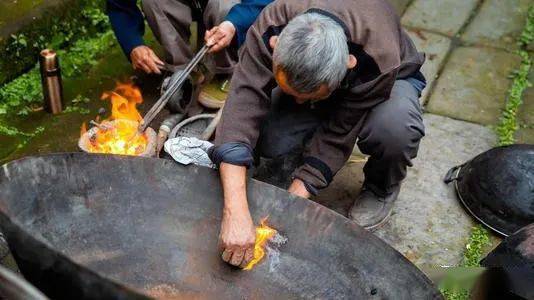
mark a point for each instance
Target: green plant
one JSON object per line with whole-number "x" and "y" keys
{"x": 508, "y": 123}
{"x": 474, "y": 250}
{"x": 458, "y": 283}
{"x": 17, "y": 44}
{"x": 26, "y": 89}
{"x": 13, "y": 131}
{"x": 451, "y": 294}
{"x": 74, "y": 107}
{"x": 527, "y": 35}
{"x": 58, "y": 28}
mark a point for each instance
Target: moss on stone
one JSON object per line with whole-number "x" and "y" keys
{"x": 508, "y": 124}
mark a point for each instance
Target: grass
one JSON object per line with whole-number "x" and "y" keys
{"x": 460, "y": 281}
{"x": 474, "y": 250}
{"x": 508, "y": 123}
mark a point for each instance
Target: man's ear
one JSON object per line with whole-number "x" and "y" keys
{"x": 351, "y": 64}
{"x": 273, "y": 41}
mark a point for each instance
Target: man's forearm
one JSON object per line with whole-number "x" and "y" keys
{"x": 234, "y": 183}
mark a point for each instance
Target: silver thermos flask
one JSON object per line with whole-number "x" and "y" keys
{"x": 51, "y": 81}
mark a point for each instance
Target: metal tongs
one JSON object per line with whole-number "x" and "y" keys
{"x": 174, "y": 86}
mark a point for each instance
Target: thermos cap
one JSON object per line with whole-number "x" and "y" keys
{"x": 49, "y": 60}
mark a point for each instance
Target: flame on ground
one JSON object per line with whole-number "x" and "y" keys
{"x": 122, "y": 136}
{"x": 263, "y": 234}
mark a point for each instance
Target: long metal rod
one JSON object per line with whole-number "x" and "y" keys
{"x": 174, "y": 87}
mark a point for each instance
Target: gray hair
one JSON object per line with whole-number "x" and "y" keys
{"x": 312, "y": 50}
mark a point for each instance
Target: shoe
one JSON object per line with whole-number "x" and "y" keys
{"x": 214, "y": 94}
{"x": 182, "y": 99}
{"x": 370, "y": 210}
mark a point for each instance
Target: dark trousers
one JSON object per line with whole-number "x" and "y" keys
{"x": 390, "y": 136}
{"x": 170, "y": 21}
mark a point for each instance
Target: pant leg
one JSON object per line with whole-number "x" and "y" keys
{"x": 170, "y": 21}
{"x": 282, "y": 139}
{"x": 391, "y": 136}
{"x": 214, "y": 14}
{"x": 287, "y": 127}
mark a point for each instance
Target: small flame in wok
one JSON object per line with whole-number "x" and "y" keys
{"x": 263, "y": 234}
{"x": 118, "y": 133}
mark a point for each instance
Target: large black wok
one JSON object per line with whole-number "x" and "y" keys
{"x": 95, "y": 226}
{"x": 497, "y": 187}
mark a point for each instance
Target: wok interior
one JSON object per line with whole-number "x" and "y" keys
{"x": 153, "y": 225}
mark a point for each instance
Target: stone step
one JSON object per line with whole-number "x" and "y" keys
{"x": 436, "y": 47}
{"x": 498, "y": 24}
{"x": 473, "y": 85}
{"x": 443, "y": 16}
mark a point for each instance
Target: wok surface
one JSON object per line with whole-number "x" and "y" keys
{"x": 152, "y": 225}
{"x": 497, "y": 187}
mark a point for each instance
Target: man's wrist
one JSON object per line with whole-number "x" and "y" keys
{"x": 299, "y": 188}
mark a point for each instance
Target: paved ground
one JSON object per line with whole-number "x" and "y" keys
{"x": 468, "y": 45}
{"x": 469, "y": 48}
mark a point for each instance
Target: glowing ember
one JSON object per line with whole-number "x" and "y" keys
{"x": 118, "y": 134}
{"x": 263, "y": 234}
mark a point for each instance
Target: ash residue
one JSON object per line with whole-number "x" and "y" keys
{"x": 273, "y": 252}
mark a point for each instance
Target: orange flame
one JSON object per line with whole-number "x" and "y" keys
{"x": 263, "y": 234}
{"x": 118, "y": 134}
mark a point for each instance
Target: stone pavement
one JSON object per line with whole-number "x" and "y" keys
{"x": 469, "y": 49}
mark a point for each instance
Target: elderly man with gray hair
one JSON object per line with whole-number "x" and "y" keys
{"x": 317, "y": 76}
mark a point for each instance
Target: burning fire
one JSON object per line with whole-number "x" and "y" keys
{"x": 118, "y": 134}
{"x": 263, "y": 234}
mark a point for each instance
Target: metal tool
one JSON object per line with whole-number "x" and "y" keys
{"x": 210, "y": 130}
{"x": 174, "y": 86}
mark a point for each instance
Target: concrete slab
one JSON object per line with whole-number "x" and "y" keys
{"x": 444, "y": 16}
{"x": 498, "y": 23}
{"x": 400, "y": 5}
{"x": 525, "y": 134}
{"x": 473, "y": 85}
{"x": 428, "y": 224}
{"x": 435, "y": 47}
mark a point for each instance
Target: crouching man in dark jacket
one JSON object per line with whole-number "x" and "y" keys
{"x": 320, "y": 75}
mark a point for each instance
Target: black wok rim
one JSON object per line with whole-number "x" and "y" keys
{"x": 468, "y": 208}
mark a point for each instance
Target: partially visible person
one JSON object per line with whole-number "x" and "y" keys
{"x": 170, "y": 21}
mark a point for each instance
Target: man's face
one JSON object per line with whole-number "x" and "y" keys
{"x": 321, "y": 93}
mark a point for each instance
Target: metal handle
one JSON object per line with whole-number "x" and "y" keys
{"x": 173, "y": 88}
{"x": 452, "y": 174}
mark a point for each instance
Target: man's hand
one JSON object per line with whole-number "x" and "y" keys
{"x": 297, "y": 188}
{"x": 220, "y": 37}
{"x": 238, "y": 235}
{"x": 143, "y": 58}
{"x": 237, "y": 238}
